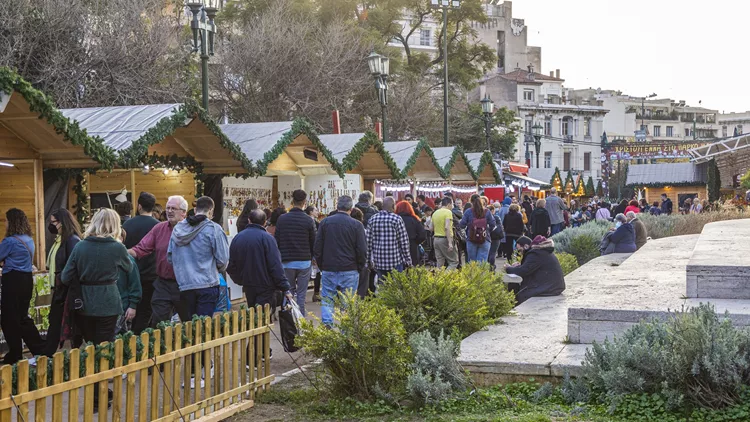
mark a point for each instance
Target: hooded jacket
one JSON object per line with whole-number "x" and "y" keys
{"x": 198, "y": 251}
{"x": 540, "y": 224}
{"x": 541, "y": 272}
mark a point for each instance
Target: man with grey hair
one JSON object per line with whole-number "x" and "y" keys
{"x": 555, "y": 207}
{"x": 365, "y": 205}
{"x": 387, "y": 241}
{"x": 166, "y": 298}
{"x": 641, "y": 233}
{"x": 341, "y": 253}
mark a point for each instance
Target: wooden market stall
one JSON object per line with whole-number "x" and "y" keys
{"x": 163, "y": 149}
{"x": 34, "y": 136}
{"x": 678, "y": 181}
{"x": 416, "y": 164}
{"x": 362, "y": 154}
{"x": 460, "y": 177}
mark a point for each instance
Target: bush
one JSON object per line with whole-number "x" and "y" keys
{"x": 567, "y": 262}
{"x": 365, "y": 354}
{"x": 593, "y": 229}
{"x": 679, "y": 225}
{"x": 459, "y": 302}
{"x": 585, "y": 248}
{"x": 695, "y": 358}
{"x": 436, "y": 372}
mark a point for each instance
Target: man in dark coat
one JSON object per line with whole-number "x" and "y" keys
{"x": 666, "y": 205}
{"x": 365, "y": 205}
{"x": 539, "y": 268}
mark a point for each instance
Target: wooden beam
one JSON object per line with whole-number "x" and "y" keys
{"x": 133, "y": 201}
{"x": 41, "y": 244}
{"x": 20, "y": 117}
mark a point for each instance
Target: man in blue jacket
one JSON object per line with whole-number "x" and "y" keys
{"x": 255, "y": 263}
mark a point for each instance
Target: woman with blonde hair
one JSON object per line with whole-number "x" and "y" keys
{"x": 91, "y": 274}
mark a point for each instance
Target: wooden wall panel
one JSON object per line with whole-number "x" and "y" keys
{"x": 17, "y": 191}
{"x": 654, "y": 194}
{"x": 162, "y": 186}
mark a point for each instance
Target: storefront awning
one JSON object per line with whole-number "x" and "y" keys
{"x": 518, "y": 168}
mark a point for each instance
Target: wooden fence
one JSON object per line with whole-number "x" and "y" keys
{"x": 150, "y": 378}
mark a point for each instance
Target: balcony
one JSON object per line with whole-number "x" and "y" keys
{"x": 668, "y": 117}
{"x": 568, "y": 139}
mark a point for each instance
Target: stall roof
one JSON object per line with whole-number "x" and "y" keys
{"x": 524, "y": 181}
{"x": 162, "y": 132}
{"x": 415, "y": 159}
{"x": 484, "y": 167}
{"x": 363, "y": 154}
{"x": 31, "y": 127}
{"x": 454, "y": 163}
{"x": 279, "y": 148}
{"x": 666, "y": 174}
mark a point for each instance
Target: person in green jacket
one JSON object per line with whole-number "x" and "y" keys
{"x": 95, "y": 266}
{"x": 131, "y": 292}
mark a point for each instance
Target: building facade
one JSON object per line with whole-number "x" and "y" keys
{"x": 571, "y": 133}
{"x": 733, "y": 124}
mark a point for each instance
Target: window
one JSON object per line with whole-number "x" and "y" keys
{"x": 527, "y": 125}
{"x": 548, "y": 126}
{"x": 687, "y": 131}
{"x": 565, "y": 126}
{"x": 528, "y": 95}
{"x": 566, "y": 161}
{"x": 657, "y": 130}
{"x": 548, "y": 159}
{"x": 586, "y": 126}
{"x": 586, "y": 161}
{"x": 723, "y": 131}
{"x": 739, "y": 130}
{"x": 670, "y": 131}
{"x": 425, "y": 37}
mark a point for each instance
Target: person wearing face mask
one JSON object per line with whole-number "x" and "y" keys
{"x": 541, "y": 271}
{"x": 621, "y": 238}
{"x": 198, "y": 251}
{"x": 67, "y": 234}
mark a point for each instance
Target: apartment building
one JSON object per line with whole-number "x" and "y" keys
{"x": 733, "y": 124}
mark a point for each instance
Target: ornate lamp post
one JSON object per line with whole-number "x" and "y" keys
{"x": 488, "y": 107}
{"x": 537, "y": 130}
{"x": 379, "y": 69}
{"x": 445, "y": 5}
{"x": 204, "y": 29}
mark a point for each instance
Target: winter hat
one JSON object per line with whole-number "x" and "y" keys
{"x": 507, "y": 201}
{"x": 539, "y": 239}
{"x": 523, "y": 241}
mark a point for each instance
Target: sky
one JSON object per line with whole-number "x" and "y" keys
{"x": 683, "y": 50}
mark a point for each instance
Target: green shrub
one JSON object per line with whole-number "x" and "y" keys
{"x": 436, "y": 372}
{"x": 585, "y": 248}
{"x": 459, "y": 302}
{"x": 594, "y": 229}
{"x": 366, "y": 352}
{"x": 694, "y": 359}
{"x": 567, "y": 262}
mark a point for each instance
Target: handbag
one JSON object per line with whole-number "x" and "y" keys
{"x": 288, "y": 323}
{"x": 223, "y": 304}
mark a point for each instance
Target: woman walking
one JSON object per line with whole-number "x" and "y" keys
{"x": 17, "y": 252}
{"x": 540, "y": 222}
{"x": 67, "y": 233}
{"x": 513, "y": 224}
{"x": 478, "y": 223}
{"x": 414, "y": 229}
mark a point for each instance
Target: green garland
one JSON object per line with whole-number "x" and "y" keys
{"x": 412, "y": 161}
{"x": 487, "y": 160}
{"x": 300, "y": 126}
{"x": 358, "y": 150}
{"x": 39, "y": 103}
{"x": 714, "y": 181}
{"x": 590, "y": 190}
{"x": 458, "y": 152}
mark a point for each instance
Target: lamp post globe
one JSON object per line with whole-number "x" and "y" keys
{"x": 379, "y": 67}
{"x": 203, "y": 27}
{"x": 373, "y": 62}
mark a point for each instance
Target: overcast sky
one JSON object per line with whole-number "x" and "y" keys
{"x": 684, "y": 50}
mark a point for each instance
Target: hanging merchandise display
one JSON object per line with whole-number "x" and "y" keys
{"x": 434, "y": 190}
{"x": 324, "y": 191}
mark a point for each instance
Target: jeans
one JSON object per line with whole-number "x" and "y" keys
{"x": 494, "y": 245}
{"x": 299, "y": 280}
{"x": 331, "y": 284}
{"x": 167, "y": 301}
{"x": 556, "y": 228}
{"x": 477, "y": 252}
{"x": 383, "y": 273}
{"x": 201, "y": 302}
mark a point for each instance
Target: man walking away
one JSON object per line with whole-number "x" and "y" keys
{"x": 666, "y": 204}
{"x": 295, "y": 235}
{"x": 255, "y": 263}
{"x": 137, "y": 228}
{"x": 387, "y": 241}
{"x": 365, "y": 205}
{"x": 198, "y": 251}
{"x": 341, "y": 254}
{"x": 555, "y": 207}
{"x": 442, "y": 225}
{"x": 165, "y": 301}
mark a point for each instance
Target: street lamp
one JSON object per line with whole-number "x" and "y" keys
{"x": 488, "y": 107}
{"x": 643, "y": 109}
{"x": 445, "y": 5}
{"x": 537, "y": 130}
{"x": 379, "y": 69}
{"x": 204, "y": 28}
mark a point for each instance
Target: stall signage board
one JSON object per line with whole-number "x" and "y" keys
{"x": 650, "y": 150}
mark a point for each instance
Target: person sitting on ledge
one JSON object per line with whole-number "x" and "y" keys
{"x": 620, "y": 239}
{"x": 539, "y": 268}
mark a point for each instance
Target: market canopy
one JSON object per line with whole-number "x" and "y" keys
{"x": 363, "y": 154}
{"x": 485, "y": 168}
{"x": 32, "y": 128}
{"x": 160, "y": 134}
{"x": 414, "y": 159}
{"x": 666, "y": 174}
{"x": 455, "y": 164}
{"x": 283, "y": 148}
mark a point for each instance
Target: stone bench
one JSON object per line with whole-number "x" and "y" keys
{"x": 719, "y": 267}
